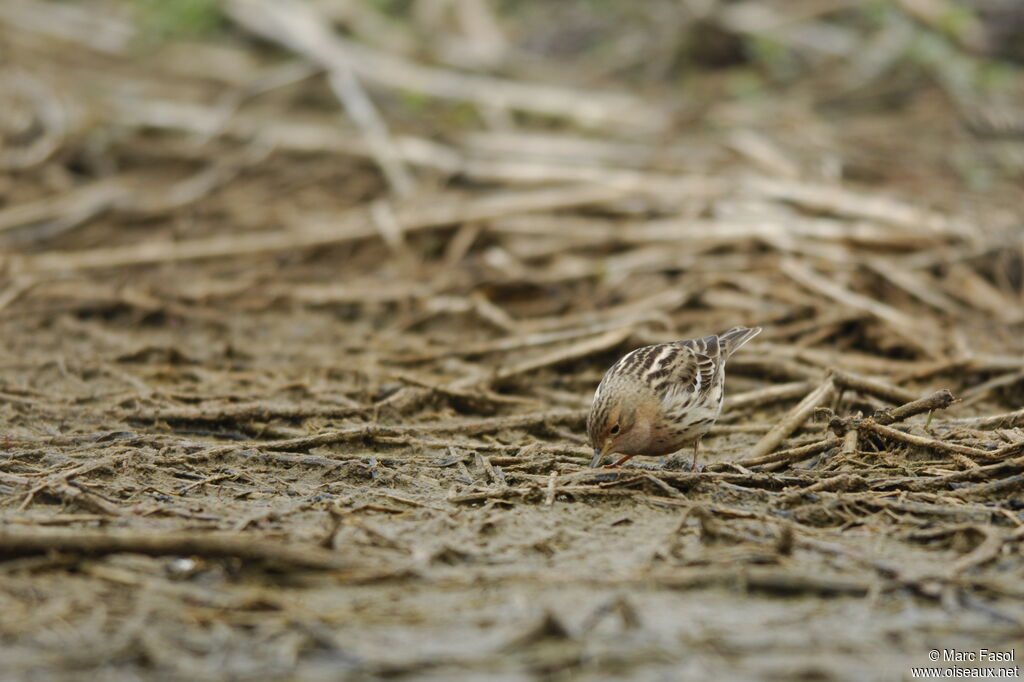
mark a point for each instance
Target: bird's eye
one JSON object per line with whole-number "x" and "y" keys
{"x": 615, "y": 430}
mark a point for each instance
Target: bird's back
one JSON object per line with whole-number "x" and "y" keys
{"x": 697, "y": 398}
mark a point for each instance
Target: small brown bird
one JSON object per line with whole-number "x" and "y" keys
{"x": 657, "y": 399}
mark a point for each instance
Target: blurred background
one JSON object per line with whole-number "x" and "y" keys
{"x": 297, "y": 130}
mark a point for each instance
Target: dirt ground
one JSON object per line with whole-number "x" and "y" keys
{"x": 290, "y": 391}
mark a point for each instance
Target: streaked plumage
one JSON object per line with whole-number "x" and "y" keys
{"x": 658, "y": 399}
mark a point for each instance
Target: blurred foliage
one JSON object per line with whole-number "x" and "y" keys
{"x": 162, "y": 20}
{"x": 750, "y": 43}
{"x": 395, "y": 8}
{"x": 769, "y": 53}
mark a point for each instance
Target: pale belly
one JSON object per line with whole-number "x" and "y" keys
{"x": 679, "y": 431}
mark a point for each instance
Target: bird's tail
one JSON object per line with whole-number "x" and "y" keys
{"x": 736, "y": 337}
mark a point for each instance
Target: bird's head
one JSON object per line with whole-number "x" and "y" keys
{"x": 620, "y": 420}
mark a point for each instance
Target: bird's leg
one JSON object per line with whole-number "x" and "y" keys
{"x": 620, "y": 462}
{"x": 696, "y": 453}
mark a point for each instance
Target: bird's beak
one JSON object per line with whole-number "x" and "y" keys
{"x": 599, "y": 454}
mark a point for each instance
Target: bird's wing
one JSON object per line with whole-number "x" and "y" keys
{"x": 706, "y": 357}
{"x": 678, "y": 373}
{"x": 681, "y": 373}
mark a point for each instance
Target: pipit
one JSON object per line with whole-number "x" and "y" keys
{"x": 658, "y": 399}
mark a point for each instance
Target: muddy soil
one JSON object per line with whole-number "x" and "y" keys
{"x": 268, "y": 413}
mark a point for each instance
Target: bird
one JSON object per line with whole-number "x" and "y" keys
{"x": 658, "y": 399}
